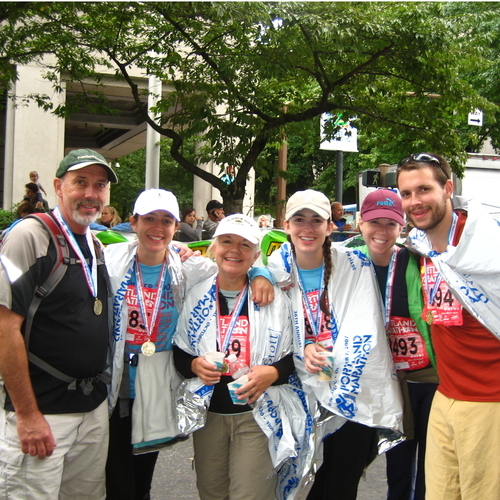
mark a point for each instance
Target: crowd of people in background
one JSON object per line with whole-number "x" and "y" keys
{"x": 291, "y": 377}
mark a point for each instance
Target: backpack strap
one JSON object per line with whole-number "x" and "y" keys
{"x": 57, "y": 273}
{"x": 41, "y": 291}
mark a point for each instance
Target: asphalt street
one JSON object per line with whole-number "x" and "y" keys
{"x": 175, "y": 478}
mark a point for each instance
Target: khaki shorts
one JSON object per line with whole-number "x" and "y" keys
{"x": 463, "y": 449}
{"x": 74, "y": 471}
{"x": 232, "y": 459}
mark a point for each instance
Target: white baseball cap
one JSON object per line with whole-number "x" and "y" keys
{"x": 157, "y": 199}
{"x": 241, "y": 225}
{"x": 313, "y": 200}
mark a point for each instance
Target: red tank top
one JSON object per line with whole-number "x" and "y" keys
{"x": 467, "y": 356}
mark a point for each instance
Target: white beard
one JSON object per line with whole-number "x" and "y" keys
{"x": 84, "y": 220}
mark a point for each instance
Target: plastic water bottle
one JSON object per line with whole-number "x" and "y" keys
{"x": 237, "y": 367}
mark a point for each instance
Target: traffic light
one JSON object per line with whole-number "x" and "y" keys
{"x": 380, "y": 177}
{"x": 371, "y": 178}
{"x": 390, "y": 179}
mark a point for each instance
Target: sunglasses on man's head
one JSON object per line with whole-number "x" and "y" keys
{"x": 423, "y": 157}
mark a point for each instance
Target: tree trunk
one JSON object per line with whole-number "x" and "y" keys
{"x": 233, "y": 206}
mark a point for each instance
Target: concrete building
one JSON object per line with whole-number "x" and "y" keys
{"x": 35, "y": 139}
{"x": 481, "y": 178}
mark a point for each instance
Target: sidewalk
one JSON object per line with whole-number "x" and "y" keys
{"x": 175, "y": 478}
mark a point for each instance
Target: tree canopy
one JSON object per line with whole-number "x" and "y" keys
{"x": 242, "y": 73}
{"x": 132, "y": 171}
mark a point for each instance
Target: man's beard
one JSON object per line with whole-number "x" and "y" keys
{"x": 86, "y": 220}
{"x": 437, "y": 216}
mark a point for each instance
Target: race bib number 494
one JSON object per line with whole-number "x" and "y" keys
{"x": 441, "y": 307}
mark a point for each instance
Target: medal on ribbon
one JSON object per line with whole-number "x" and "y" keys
{"x": 89, "y": 273}
{"x": 97, "y": 307}
{"x": 429, "y": 318}
{"x": 149, "y": 348}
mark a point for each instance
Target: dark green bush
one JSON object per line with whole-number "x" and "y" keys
{"x": 7, "y": 217}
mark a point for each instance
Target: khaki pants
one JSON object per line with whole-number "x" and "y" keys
{"x": 232, "y": 459}
{"x": 463, "y": 449}
{"x": 75, "y": 471}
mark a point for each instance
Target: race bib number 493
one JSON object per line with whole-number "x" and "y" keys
{"x": 407, "y": 344}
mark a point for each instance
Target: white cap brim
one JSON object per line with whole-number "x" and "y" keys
{"x": 322, "y": 213}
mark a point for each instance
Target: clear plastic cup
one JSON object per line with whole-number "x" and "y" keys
{"x": 216, "y": 358}
{"x": 326, "y": 373}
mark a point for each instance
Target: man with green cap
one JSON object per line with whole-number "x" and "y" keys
{"x": 53, "y": 415}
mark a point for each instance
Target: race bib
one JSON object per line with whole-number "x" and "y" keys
{"x": 444, "y": 309}
{"x": 136, "y": 330}
{"x": 324, "y": 336}
{"x": 407, "y": 344}
{"x": 240, "y": 343}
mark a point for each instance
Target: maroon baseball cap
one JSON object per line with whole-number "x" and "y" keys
{"x": 383, "y": 203}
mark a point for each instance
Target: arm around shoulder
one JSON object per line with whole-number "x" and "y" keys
{"x": 198, "y": 269}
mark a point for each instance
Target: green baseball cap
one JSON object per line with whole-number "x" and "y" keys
{"x": 81, "y": 158}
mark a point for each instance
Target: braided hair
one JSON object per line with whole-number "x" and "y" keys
{"x": 327, "y": 259}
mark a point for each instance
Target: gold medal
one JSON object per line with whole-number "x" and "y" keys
{"x": 97, "y": 307}
{"x": 430, "y": 318}
{"x": 148, "y": 348}
{"x": 225, "y": 367}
